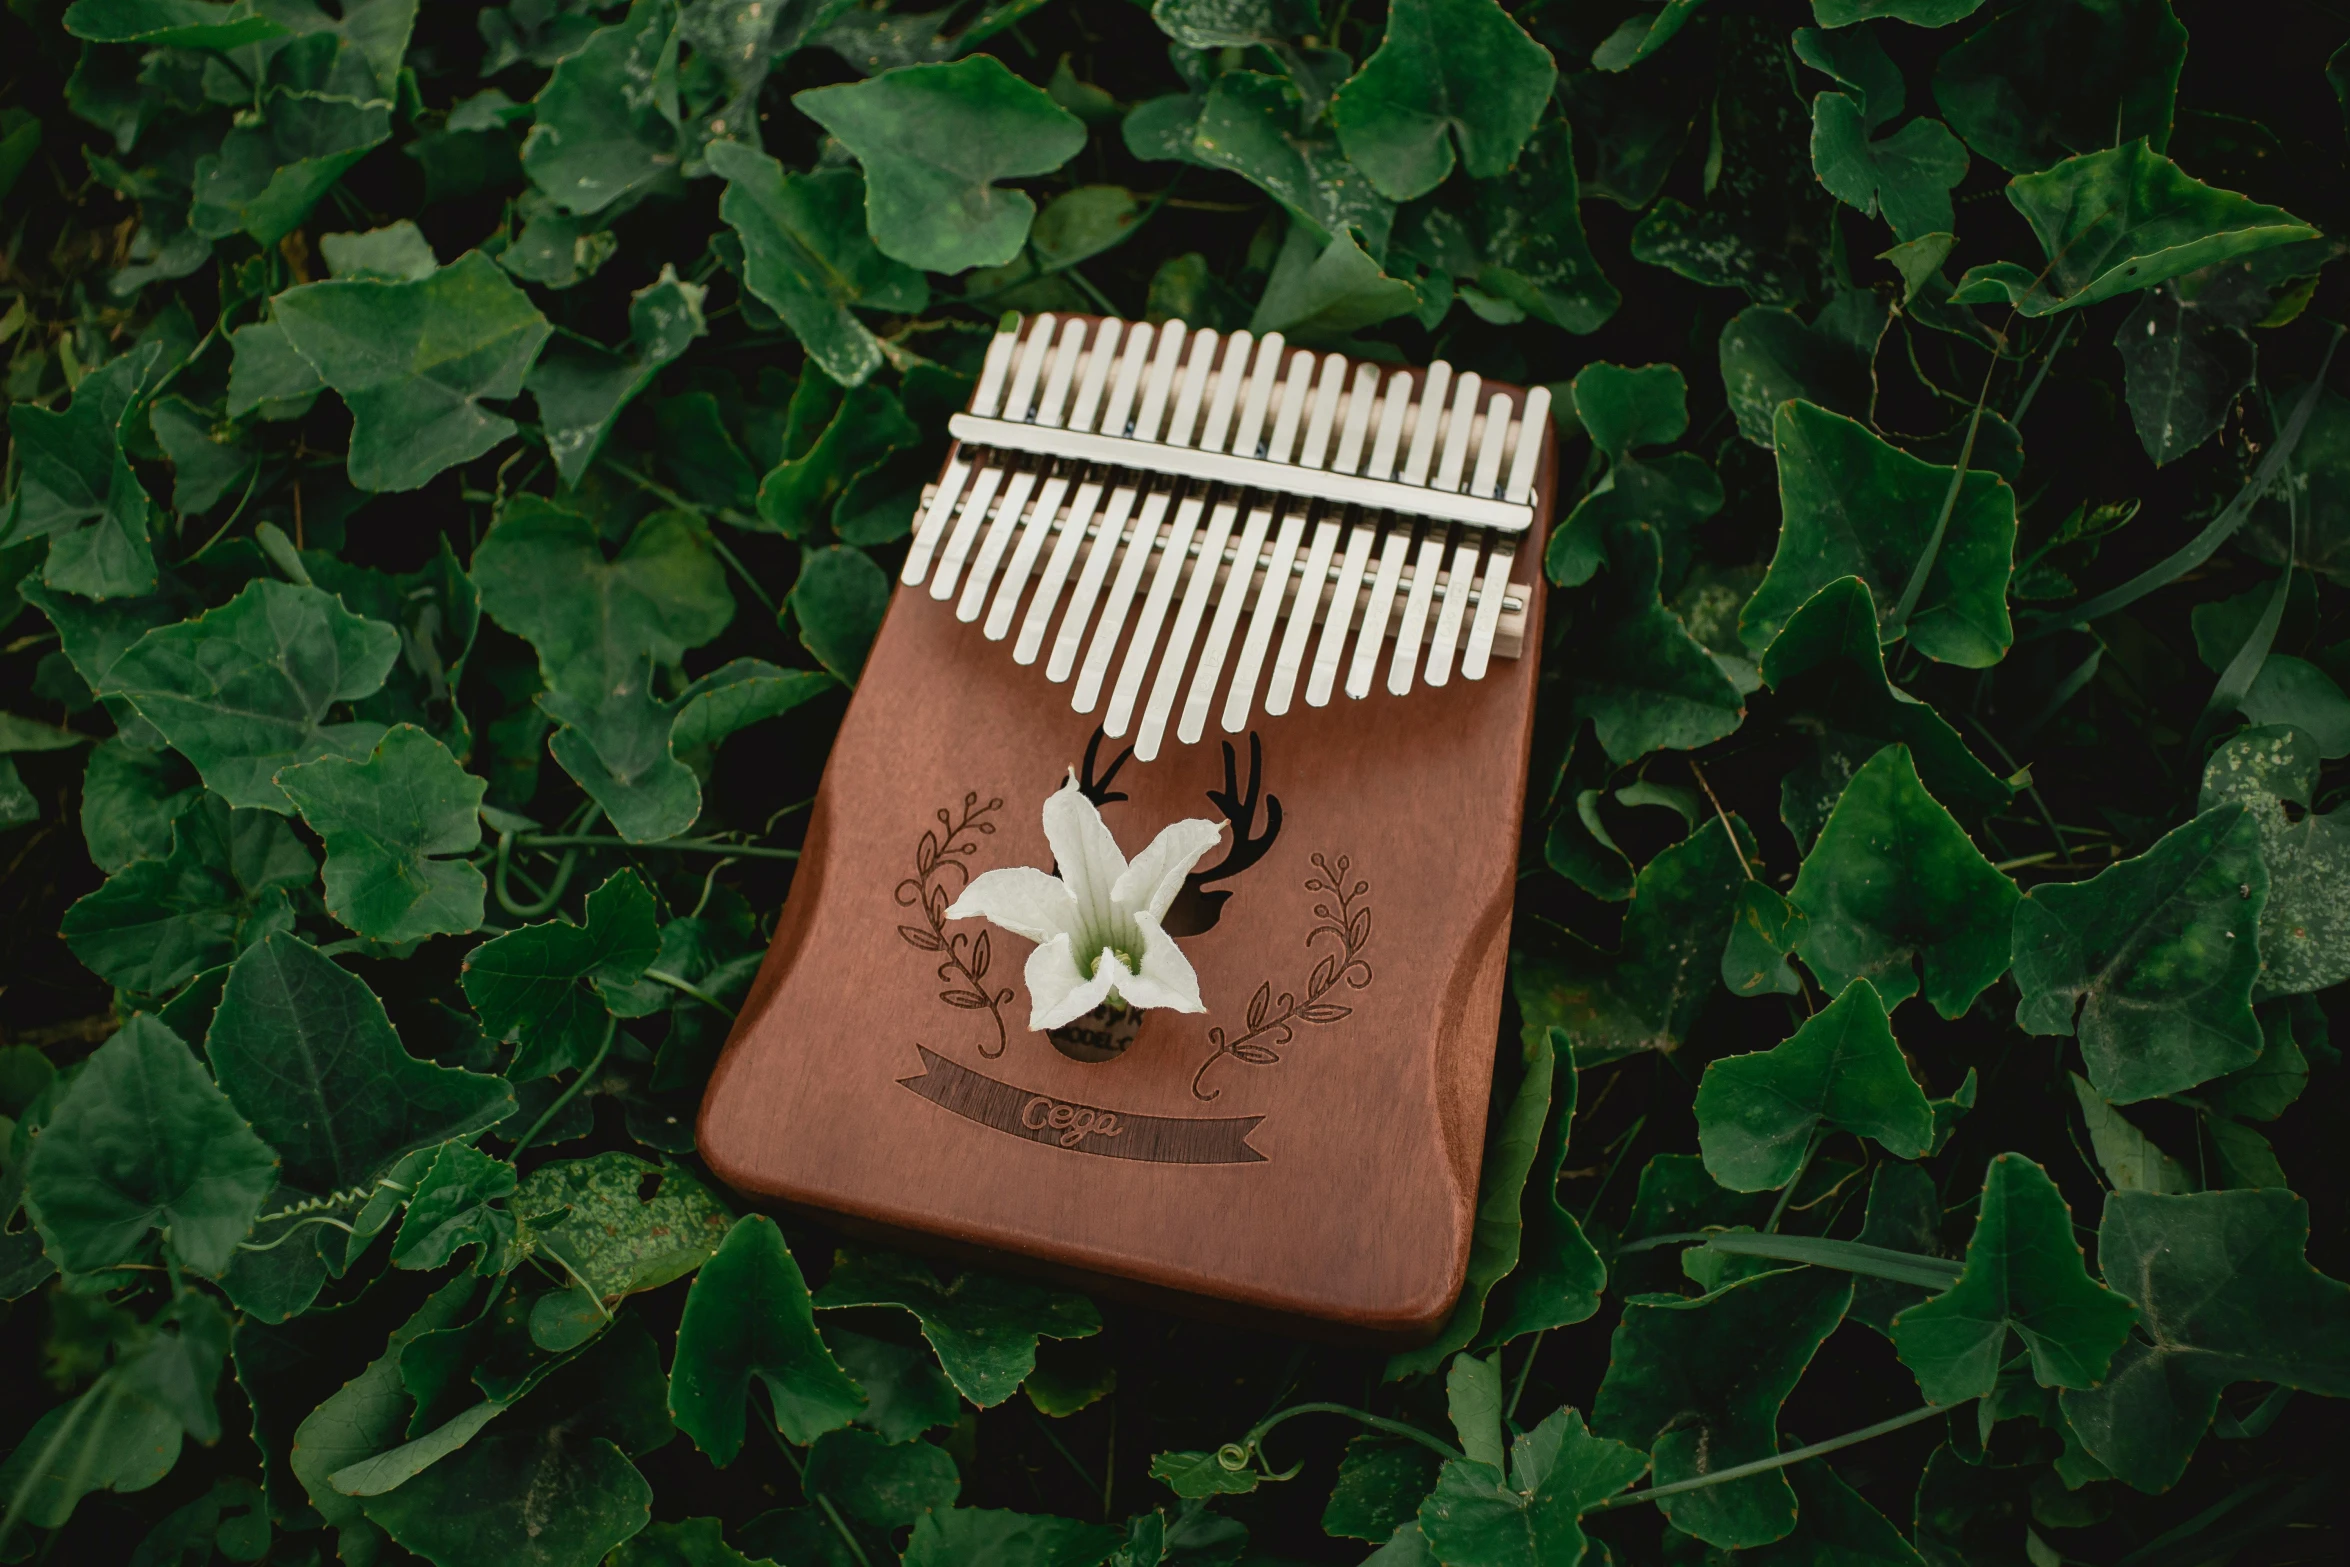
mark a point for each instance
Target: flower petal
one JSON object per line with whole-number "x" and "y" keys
{"x": 1150, "y": 883}
{"x": 1022, "y": 899}
{"x": 1057, "y": 992}
{"x": 1088, "y": 855}
{"x": 1166, "y": 978}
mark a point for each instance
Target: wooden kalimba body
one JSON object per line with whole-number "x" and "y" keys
{"x": 1263, "y": 584}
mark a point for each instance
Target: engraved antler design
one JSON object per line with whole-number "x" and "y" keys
{"x": 1098, "y": 789}
{"x": 1195, "y": 909}
{"x": 1248, "y": 845}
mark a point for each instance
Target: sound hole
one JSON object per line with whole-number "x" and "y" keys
{"x": 1101, "y": 1035}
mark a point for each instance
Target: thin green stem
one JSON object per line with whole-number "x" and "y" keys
{"x": 49, "y": 1452}
{"x": 1236, "y": 1455}
{"x": 1787, "y": 1192}
{"x": 1916, "y": 589}
{"x": 680, "y": 983}
{"x": 535, "y": 840}
{"x": 1776, "y": 1461}
{"x": 295, "y": 1229}
{"x": 744, "y": 572}
{"x": 2024, "y": 403}
{"x": 611, "y": 1032}
{"x": 1067, "y": 1457}
{"x": 1525, "y": 1373}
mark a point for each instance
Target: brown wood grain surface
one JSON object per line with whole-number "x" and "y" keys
{"x": 882, "y": 1069}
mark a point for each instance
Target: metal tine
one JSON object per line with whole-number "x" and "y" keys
{"x": 1049, "y": 406}
{"x": 1071, "y": 638}
{"x": 1393, "y": 548}
{"x": 1182, "y": 427}
{"x": 1528, "y": 455}
{"x": 1082, "y": 416}
{"x": 1143, "y": 542}
{"x": 1200, "y": 581}
{"x": 986, "y": 399}
{"x": 1283, "y": 556}
{"x": 1364, "y": 532}
{"x": 1484, "y": 481}
{"x": 1290, "y": 660}
{"x": 1248, "y": 553}
{"x": 1430, "y": 560}
{"x": 1023, "y": 389}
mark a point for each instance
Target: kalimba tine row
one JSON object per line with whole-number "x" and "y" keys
{"x": 1109, "y": 453}
{"x": 1185, "y": 529}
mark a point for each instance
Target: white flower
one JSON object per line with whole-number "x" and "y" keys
{"x": 1096, "y": 925}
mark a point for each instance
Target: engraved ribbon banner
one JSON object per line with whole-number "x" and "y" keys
{"x": 1081, "y": 1128}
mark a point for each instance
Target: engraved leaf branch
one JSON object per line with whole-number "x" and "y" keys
{"x": 964, "y": 956}
{"x": 1344, "y": 918}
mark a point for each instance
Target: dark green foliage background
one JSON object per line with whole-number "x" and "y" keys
{"x": 458, "y": 459}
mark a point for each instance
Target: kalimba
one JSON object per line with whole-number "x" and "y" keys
{"x": 1211, "y": 544}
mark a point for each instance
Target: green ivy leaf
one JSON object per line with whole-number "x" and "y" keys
{"x": 2186, "y": 357}
{"x": 886, "y": 1485}
{"x": 2305, "y": 924}
{"x": 269, "y": 173}
{"x": 244, "y": 690}
{"x": 566, "y": 1448}
{"x": 1834, "y": 1524}
{"x": 2268, "y": 1087}
{"x": 1647, "y": 993}
{"x": 1322, "y": 293}
{"x": 1828, "y": 663}
{"x": 76, "y": 487}
{"x": 1559, "y": 1275}
{"x": 1445, "y": 71}
{"x": 450, "y": 1210}
{"x": 1894, "y": 885}
{"x": 933, "y": 140}
{"x": 1497, "y": 1229}
{"x": 984, "y": 1328}
{"x": 145, "y": 1140}
{"x": 697, "y": 1542}
{"x": 158, "y": 923}
{"x": 1757, "y": 1114}
{"x": 125, "y": 1435}
{"x": 2129, "y": 1158}
{"x": 1643, "y": 682}
{"x": 605, "y": 128}
{"x": 616, "y": 745}
{"x": 748, "y": 1315}
{"x": 1381, "y": 1483}
{"x": 549, "y": 985}
{"x": 1249, "y": 124}
{"x": 267, "y": 379}
{"x": 1908, "y": 175}
{"x": 807, "y": 256}
{"x": 1769, "y": 356}
{"x": 304, "y": 1050}
{"x": 1701, "y": 1382}
{"x": 2124, "y": 219}
{"x": 619, "y": 1224}
{"x": 1641, "y": 35}
{"x": 544, "y": 576}
{"x": 2039, "y": 82}
{"x": 1919, "y": 13}
{"x": 2024, "y": 1272}
{"x": 2152, "y": 962}
{"x": 838, "y": 601}
{"x": 905, "y": 1392}
{"x": 981, "y": 1537}
{"x": 414, "y": 361}
{"x": 395, "y": 827}
{"x": 801, "y": 496}
{"x": 581, "y": 387}
{"x": 1857, "y": 506}
{"x": 130, "y": 798}
{"x": 1557, "y": 1470}
{"x": 170, "y": 24}
{"x": 2228, "y": 1295}
{"x": 1194, "y": 1475}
